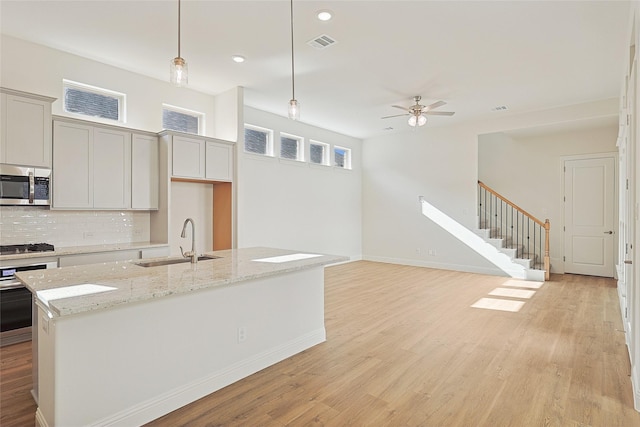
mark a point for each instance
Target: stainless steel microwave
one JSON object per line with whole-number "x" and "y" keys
{"x": 22, "y": 185}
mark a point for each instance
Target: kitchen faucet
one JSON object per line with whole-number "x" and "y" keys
{"x": 192, "y": 253}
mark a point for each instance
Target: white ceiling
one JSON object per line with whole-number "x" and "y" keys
{"x": 474, "y": 55}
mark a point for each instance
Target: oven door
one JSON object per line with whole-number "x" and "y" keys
{"x": 16, "y": 303}
{"x": 15, "y": 306}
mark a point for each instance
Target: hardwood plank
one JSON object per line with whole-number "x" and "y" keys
{"x": 405, "y": 348}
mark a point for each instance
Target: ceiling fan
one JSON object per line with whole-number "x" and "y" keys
{"x": 417, "y": 111}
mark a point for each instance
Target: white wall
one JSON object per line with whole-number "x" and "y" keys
{"x": 441, "y": 164}
{"x": 195, "y": 201}
{"x": 527, "y": 170}
{"x": 437, "y": 163}
{"x": 288, "y": 204}
{"x": 38, "y": 69}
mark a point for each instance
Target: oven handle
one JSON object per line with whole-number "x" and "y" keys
{"x": 32, "y": 188}
{"x": 16, "y": 284}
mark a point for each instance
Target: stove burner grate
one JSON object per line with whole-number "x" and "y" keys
{"x": 27, "y": 248}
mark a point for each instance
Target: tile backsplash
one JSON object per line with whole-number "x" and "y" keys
{"x": 20, "y": 224}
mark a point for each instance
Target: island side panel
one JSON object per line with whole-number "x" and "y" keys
{"x": 131, "y": 364}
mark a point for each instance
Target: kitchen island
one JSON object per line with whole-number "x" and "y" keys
{"x": 123, "y": 344}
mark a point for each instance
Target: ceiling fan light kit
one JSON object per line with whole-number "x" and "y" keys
{"x": 417, "y": 120}
{"x": 417, "y": 112}
{"x": 179, "y": 70}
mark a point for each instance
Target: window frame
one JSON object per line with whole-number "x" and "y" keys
{"x": 121, "y": 97}
{"x": 300, "y": 154}
{"x": 326, "y": 156}
{"x": 347, "y": 157}
{"x": 193, "y": 113}
{"x": 269, "y": 149}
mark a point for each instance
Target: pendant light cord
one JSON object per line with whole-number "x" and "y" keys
{"x": 179, "y": 29}
{"x": 293, "y": 84}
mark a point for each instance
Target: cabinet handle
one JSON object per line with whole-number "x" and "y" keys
{"x": 628, "y": 261}
{"x": 608, "y": 232}
{"x": 32, "y": 188}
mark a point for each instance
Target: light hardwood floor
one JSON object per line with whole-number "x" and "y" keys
{"x": 404, "y": 348}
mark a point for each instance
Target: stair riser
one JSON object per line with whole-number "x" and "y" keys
{"x": 517, "y": 253}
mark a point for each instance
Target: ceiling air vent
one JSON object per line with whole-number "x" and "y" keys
{"x": 321, "y": 42}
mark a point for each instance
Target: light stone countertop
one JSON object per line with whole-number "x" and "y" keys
{"x": 75, "y": 250}
{"x": 134, "y": 283}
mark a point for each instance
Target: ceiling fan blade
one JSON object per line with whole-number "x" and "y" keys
{"x": 439, "y": 113}
{"x": 402, "y": 108}
{"x": 397, "y": 115}
{"x": 434, "y": 105}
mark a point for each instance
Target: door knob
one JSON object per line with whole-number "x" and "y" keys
{"x": 608, "y": 232}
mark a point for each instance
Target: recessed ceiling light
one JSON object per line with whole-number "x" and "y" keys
{"x": 238, "y": 58}
{"x": 324, "y": 15}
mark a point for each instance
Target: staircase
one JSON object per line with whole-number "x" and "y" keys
{"x": 533, "y": 270}
{"x": 514, "y": 232}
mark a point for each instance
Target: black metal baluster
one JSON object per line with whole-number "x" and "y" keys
{"x": 528, "y": 240}
{"x": 512, "y": 230}
{"x": 534, "y": 246}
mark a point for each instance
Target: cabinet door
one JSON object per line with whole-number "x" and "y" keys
{"x": 111, "y": 169}
{"x": 219, "y": 165}
{"x": 144, "y": 172}
{"x": 72, "y": 164}
{"x": 188, "y": 157}
{"x": 26, "y": 131}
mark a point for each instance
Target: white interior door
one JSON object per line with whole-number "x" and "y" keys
{"x": 589, "y": 216}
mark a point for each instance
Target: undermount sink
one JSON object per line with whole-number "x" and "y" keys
{"x": 170, "y": 261}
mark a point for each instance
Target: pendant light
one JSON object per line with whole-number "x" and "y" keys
{"x": 294, "y": 108}
{"x": 179, "y": 71}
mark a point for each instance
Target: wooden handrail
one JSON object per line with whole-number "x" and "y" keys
{"x": 509, "y": 202}
{"x": 546, "y": 225}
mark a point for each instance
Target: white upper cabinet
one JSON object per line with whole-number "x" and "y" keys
{"x": 144, "y": 172}
{"x": 200, "y": 158}
{"x": 188, "y": 157}
{"x": 91, "y": 167}
{"x": 111, "y": 169}
{"x": 25, "y": 132}
{"x": 103, "y": 167}
{"x": 72, "y": 166}
{"x": 219, "y": 161}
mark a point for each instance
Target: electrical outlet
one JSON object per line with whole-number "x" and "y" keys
{"x": 242, "y": 334}
{"x": 418, "y": 251}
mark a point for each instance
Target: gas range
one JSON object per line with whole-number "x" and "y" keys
{"x": 26, "y": 248}
{"x": 16, "y": 301}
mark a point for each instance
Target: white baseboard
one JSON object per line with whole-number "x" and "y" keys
{"x": 40, "y": 420}
{"x": 181, "y": 396}
{"x": 635, "y": 385}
